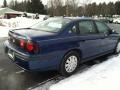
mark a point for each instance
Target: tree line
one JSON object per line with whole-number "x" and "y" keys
{"x": 73, "y": 8}
{"x": 31, "y": 6}
{"x": 66, "y": 8}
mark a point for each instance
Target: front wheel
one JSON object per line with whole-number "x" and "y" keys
{"x": 117, "y": 51}
{"x": 69, "y": 63}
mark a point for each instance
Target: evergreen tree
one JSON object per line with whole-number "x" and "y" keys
{"x": 58, "y": 8}
{"x": 37, "y": 7}
{"x": 31, "y": 6}
{"x": 117, "y": 7}
{"x": 111, "y": 9}
{"x": 4, "y": 3}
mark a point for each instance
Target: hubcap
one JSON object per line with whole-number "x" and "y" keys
{"x": 71, "y": 64}
{"x": 118, "y": 48}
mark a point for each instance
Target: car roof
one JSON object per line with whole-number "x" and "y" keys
{"x": 74, "y": 18}
{"x": 78, "y": 18}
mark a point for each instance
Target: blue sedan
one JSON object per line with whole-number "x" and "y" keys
{"x": 60, "y": 44}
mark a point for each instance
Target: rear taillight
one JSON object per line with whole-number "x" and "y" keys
{"x": 32, "y": 47}
{"x": 22, "y": 43}
{"x": 29, "y": 46}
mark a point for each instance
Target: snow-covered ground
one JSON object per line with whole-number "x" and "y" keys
{"x": 18, "y": 22}
{"x": 4, "y": 31}
{"x": 104, "y": 76}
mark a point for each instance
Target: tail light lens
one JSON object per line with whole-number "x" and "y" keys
{"x": 29, "y": 46}
{"x": 22, "y": 43}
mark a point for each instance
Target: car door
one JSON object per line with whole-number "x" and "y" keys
{"x": 107, "y": 41}
{"x": 89, "y": 40}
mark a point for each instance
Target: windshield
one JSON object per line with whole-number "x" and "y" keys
{"x": 51, "y": 25}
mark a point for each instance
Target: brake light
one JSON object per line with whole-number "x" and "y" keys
{"x": 29, "y": 46}
{"x": 22, "y": 43}
{"x": 32, "y": 47}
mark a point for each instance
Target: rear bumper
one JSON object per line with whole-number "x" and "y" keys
{"x": 33, "y": 62}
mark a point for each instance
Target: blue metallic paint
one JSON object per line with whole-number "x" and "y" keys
{"x": 53, "y": 47}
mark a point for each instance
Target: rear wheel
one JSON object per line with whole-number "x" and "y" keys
{"x": 69, "y": 63}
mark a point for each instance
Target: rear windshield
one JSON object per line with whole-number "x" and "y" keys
{"x": 51, "y": 25}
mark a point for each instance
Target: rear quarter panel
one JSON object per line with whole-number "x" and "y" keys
{"x": 56, "y": 48}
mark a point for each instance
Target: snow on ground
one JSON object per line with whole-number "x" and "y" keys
{"x": 104, "y": 76}
{"x": 18, "y": 22}
{"x": 4, "y": 31}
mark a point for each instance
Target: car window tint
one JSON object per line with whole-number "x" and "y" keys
{"x": 87, "y": 27}
{"x": 102, "y": 28}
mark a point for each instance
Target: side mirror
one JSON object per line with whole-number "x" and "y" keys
{"x": 73, "y": 30}
{"x": 113, "y": 31}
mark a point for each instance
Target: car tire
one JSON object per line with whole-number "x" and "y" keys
{"x": 70, "y": 63}
{"x": 117, "y": 49}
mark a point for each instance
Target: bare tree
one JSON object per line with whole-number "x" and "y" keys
{"x": 56, "y": 7}
{"x": 67, "y": 7}
{"x": 84, "y": 4}
{"x": 71, "y": 7}
{"x": 51, "y": 7}
{"x": 75, "y": 6}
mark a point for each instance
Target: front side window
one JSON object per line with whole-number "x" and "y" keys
{"x": 87, "y": 27}
{"x": 102, "y": 28}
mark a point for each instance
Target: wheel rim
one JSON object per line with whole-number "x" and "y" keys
{"x": 118, "y": 48}
{"x": 71, "y": 64}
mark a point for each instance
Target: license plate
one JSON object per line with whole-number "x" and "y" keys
{"x": 11, "y": 54}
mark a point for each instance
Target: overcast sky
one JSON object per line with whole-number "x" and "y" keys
{"x": 45, "y": 1}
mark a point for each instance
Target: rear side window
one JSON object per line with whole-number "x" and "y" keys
{"x": 102, "y": 28}
{"x": 87, "y": 27}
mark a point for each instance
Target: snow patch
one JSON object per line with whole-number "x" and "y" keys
{"x": 4, "y": 31}
{"x": 18, "y": 22}
{"x": 105, "y": 76}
